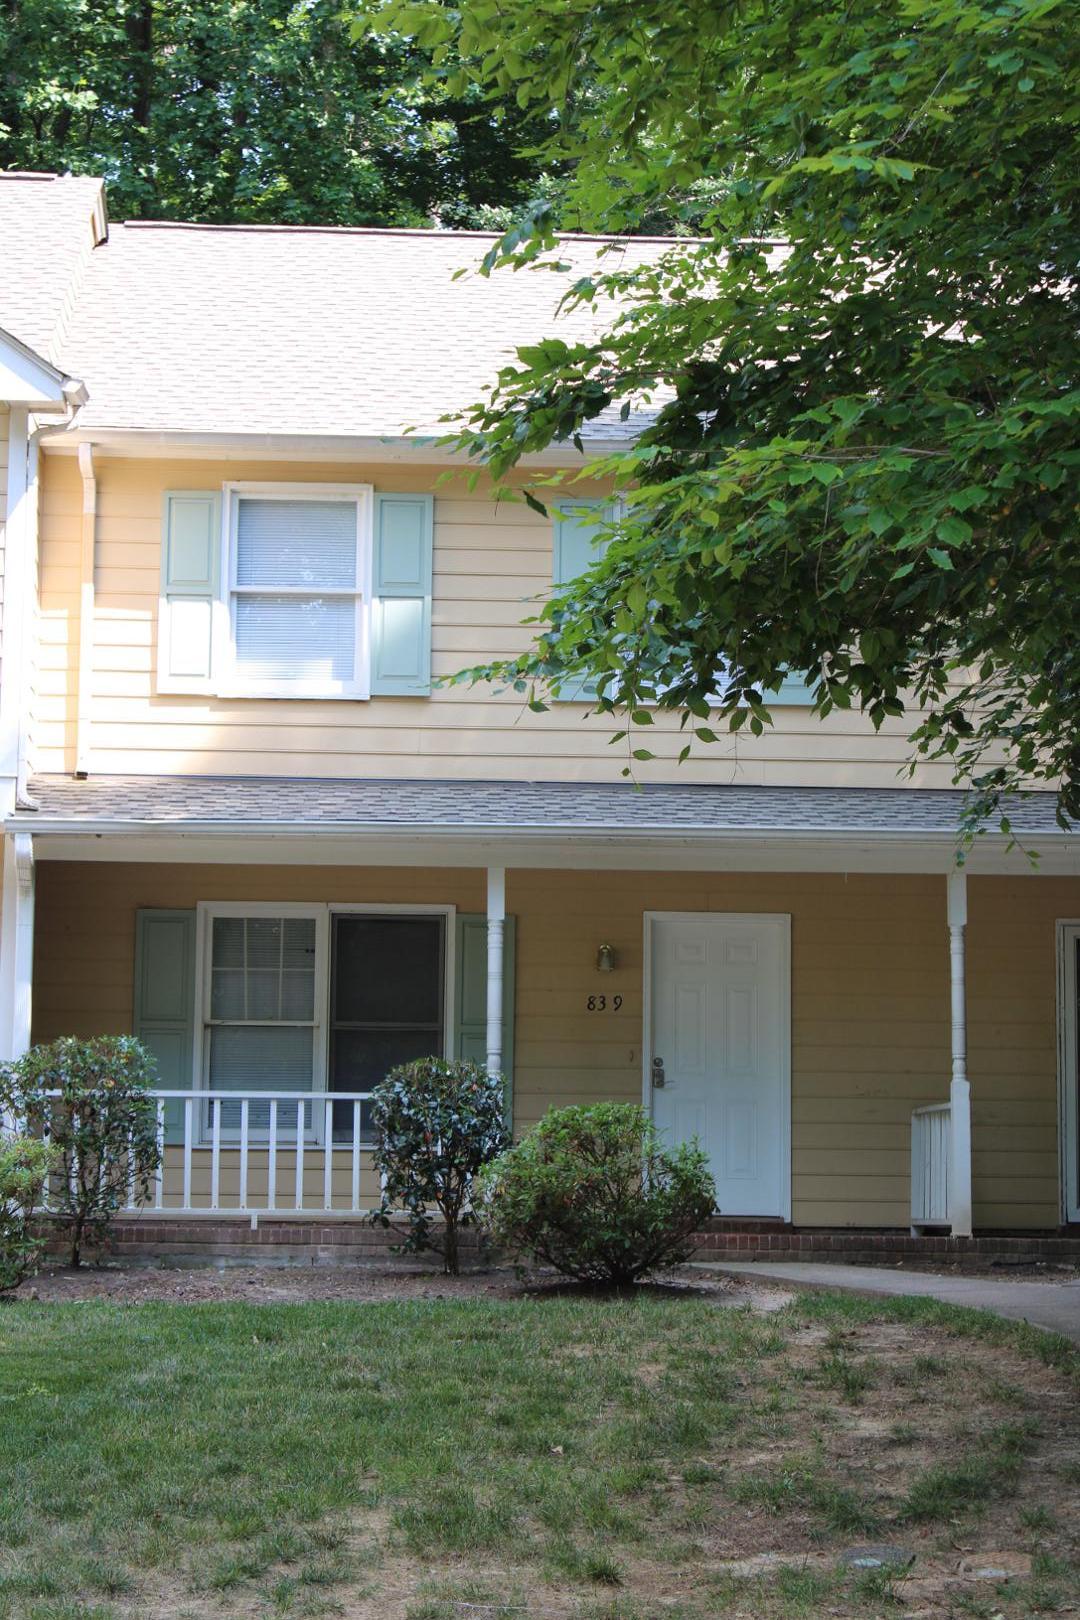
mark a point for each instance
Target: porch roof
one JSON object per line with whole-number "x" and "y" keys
{"x": 314, "y": 804}
{"x": 320, "y": 821}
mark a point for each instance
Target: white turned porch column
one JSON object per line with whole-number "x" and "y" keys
{"x": 959, "y": 1089}
{"x": 496, "y": 929}
{"x": 16, "y": 944}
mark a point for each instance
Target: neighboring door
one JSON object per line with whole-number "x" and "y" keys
{"x": 1069, "y": 963}
{"x": 718, "y": 1057}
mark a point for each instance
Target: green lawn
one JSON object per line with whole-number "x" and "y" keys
{"x": 554, "y": 1456}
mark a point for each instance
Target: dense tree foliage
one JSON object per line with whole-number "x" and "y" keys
{"x": 864, "y": 462}
{"x": 251, "y": 110}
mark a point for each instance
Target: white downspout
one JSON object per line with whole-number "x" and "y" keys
{"x": 960, "y": 1088}
{"x": 496, "y": 928}
{"x": 86, "y": 610}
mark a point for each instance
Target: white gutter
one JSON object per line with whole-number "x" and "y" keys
{"x": 373, "y": 448}
{"x": 546, "y": 831}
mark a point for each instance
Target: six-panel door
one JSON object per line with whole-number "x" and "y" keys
{"x": 718, "y": 1063}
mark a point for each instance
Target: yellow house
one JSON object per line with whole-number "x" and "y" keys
{"x": 244, "y": 820}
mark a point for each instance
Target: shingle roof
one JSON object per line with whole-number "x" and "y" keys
{"x": 47, "y": 233}
{"x": 327, "y": 803}
{"x": 238, "y": 329}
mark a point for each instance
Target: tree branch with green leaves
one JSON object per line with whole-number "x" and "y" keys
{"x": 857, "y": 382}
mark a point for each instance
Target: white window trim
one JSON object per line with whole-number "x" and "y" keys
{"x": 229, "y": 682}
{"x": 321, "y": 911}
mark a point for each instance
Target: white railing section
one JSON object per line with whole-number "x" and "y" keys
{"x": 257, "y": 1153}
{"x": 931, "y": 1152}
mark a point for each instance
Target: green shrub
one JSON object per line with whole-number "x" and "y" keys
{"x": 93, "y": 1097}
{"x": 593, "y": 1192}
{"x": 25, "y": 1164}
{"x": 436, "y": 1123}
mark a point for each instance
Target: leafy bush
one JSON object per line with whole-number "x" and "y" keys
{"x": 24, "y": 1168}
{"x": 594, "y": 1193}
{"x": 436, "y": 1123}
{"x": 92, "y": 1098}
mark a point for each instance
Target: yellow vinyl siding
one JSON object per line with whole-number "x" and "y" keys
{"x": 492, "y": 566}
{"x": 870, "y": 1036}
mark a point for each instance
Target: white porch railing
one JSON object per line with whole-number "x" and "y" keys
{"x": 259, "y": 1153}
{"x": 931, "y": 1156}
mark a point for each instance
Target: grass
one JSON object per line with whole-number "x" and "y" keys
{"x": 599, "y": 1459}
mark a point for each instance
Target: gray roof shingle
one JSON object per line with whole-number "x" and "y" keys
{"x": 320, "y": 804}
{"x": 308, "y": 331}
{"x": 48, "y": 227}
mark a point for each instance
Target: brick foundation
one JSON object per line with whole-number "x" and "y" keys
{"x": 303, "y": 1242}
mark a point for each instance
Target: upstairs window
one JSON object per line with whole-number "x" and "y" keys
{"x": 299, "y": 572}
{"x": 295, "y": 591}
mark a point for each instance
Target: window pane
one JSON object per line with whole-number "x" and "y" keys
{"x": 388, "y": 970}
{"x": 263, "y": 942}
{"x": 248, "y": 981}
{"x": 360, "y": 1058}
{"x": 256, "y": 1059}
{"x": 310, "y": 543}
{"x": 227, "y": 995}
{"x": 228, "y": 942}
{"x": 296, "y": 638}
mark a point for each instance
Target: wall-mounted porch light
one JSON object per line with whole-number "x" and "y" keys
{"x": 606, "y": 959}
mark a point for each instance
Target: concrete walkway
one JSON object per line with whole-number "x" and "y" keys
{"x": 1053, "y": 1305}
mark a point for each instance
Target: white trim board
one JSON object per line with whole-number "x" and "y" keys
{"x": 1068, "y": 1011}
{"x": 784, "y": 919}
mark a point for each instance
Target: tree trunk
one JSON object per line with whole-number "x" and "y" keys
{"x": 450, "y": 1248}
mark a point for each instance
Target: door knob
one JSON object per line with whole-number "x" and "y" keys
{"x": 659, "y": 1078}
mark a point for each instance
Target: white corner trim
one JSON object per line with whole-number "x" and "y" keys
{"x": 18, "y": 544}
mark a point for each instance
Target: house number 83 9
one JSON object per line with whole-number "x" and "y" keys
{"x": 603, "y": 1003}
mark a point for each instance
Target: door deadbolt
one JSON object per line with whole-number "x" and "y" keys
{"x": 659, "y": 1078}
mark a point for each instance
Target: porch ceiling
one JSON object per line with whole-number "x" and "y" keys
{"x": 576, "y": 824}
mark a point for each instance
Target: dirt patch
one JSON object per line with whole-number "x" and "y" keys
{"x": 367, "y": 1283}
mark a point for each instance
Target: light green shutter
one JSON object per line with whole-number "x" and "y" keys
{"x": 470, "y": 1012}
{"x": 577, "y": 546}
{"x": 793, "y": 691}
{"x": 190, "y": 549}
{"x": 401, "y": 605}
{"x": 165, "y": 1001}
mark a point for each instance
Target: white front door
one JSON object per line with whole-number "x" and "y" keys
{"x": 718, "y": 1058}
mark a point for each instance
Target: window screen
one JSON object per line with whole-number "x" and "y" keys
{"x": 386, "y": 1000}
{"x": 295, "y": 591}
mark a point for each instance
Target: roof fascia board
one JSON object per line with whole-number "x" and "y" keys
{"x": 147, "y": 442}
{"x": 581, "y": 848}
